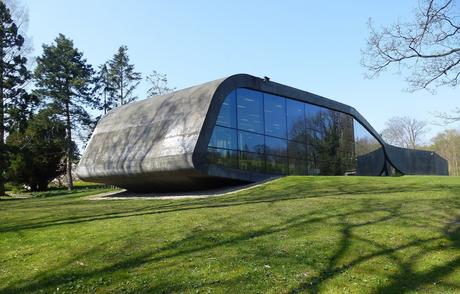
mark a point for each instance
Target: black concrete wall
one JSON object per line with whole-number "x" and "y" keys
{"x": 416, "y": 162}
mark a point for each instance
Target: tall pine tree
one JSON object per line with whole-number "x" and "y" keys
{"x": 123, "y": 77}
{"x": 13, "y": 75}
{"x": 63, "y": 77}
{"x": 104, "y": 89}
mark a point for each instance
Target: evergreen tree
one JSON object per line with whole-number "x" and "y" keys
{"x": 104, "y": 89}
{"x": 39, "y": 150}
{"x": 13, "y": 75}
{"x": 123, "y": 77}
{"x": 63, "y": 78}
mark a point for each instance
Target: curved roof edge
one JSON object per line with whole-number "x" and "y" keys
{"x": 259, "y": 84}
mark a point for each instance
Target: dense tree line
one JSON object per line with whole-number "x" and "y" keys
{"x": 45, "y": 109}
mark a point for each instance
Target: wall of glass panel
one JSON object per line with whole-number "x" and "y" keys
{"x": 261, "y": 132}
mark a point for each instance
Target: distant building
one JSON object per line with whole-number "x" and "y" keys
{"x": 239, "y": 129}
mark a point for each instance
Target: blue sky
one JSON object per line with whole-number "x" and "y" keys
{"x": 311, "y": 45}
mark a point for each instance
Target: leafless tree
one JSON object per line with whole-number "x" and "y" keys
{"x": 20, "y": 15}
{"x": 447, "y": 144}
{"x": 405, "y": 132}
{"x": 158, "y": 84}
{"x": 427, "y": 49}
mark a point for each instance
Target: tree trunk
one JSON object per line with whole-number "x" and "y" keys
{"x": 121, "y": 88}
{"x": 2, "y": 132}
{"x": 105, "y": 101}
{"x": 2, "y": 144}
{"x": 69, "y": 148}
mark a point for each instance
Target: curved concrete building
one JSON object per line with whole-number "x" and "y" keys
{"x": 239, "y": 129}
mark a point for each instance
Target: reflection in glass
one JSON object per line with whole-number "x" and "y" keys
{"x": 314, "y": 137}
{"x": 297, "y": 150}
{"x": 275, "y": 116}
{"x": 251, "y": 161}
{"x": 276, "y": 165}
{"x": 223, "y": 138}
{"x": 265, "y": 133}
{"x": 275, "y": 146}
{"x": 227, "y": 114}
{"x": 295, "y": 120}
{"x": 313, "y": 116}
{"x": 250, "y": 142}
{"x": 370, "y": 158}
{"x": 298, "y": 166}
{"x": 250, "y": 111}
{"x": 223, "y": 157}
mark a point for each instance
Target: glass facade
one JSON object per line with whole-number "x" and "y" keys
{"x": 266, "y": 133}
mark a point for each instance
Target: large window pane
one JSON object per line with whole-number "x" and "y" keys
{"x": 368, "y": 151}
{"x": 319, "y": 140}
{"x": 250, "y": 110}
{"x": 250, "y": 142}
{"x": 227, "y": 114}
{"x": 275, "y": 146}
{"x": 275, "y": 116}
{"x": 313, "y": 116}
{"x": 295, "y": 120}
{"x": 298, "y": 166}
{"x": 276, "y": 165}
{"x": 223, "y": 138}
{"x": 313, "y": 153}
{"x": 314, "y": 137}
{"x": 228, "y": 158}
{"x": 251, "y": 161}
{"x": 297, "y": 150}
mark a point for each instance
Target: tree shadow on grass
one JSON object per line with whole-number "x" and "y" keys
{"x": 258, "y": 195}
{"x": 407, "y": 278}
{"x": 200, "y": 242}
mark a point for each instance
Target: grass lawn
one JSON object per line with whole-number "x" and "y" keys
{"x": 296, "y": 234}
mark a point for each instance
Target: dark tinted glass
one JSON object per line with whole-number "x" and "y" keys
{"x": 368, "y": 151}
{"x": 313, "y": 116}
{"x": 250, "y": 110}
{"x": 319, "y": 140}
{"x": 364, "y": 141}
{"x": 227, "y": 114}
{"x": 275, "y": 116}
{"x": 298, "y": 166}
{"x": 313, "y": 153}
{"x": 251, "y": 161}
{"x": 250, "y": 142}
{"x": 295, "y": 120}
{"x": 223, "y": 138}
{"x": 276, "y": 165}
{"x": 275, "y": 146}
{"x": 223, "y": 157}
{"x": 313, "y": 137}
{"x": 297, "y": 150}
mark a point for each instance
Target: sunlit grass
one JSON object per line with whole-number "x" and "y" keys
{"x": 296, "y": 234}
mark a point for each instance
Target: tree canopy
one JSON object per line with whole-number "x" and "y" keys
{"x": 405, "y": 132}
{"x": 123, "y": 76}
{"x": 13, "y": 75}
{"x": 64, "y": 78}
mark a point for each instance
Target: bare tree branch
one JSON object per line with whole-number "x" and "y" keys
{"x": 427, "y": 48}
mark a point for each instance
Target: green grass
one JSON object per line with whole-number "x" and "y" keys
{"x": 297, "y": 234}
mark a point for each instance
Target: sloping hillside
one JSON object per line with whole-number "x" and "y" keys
{"x": 296, "y": 234}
